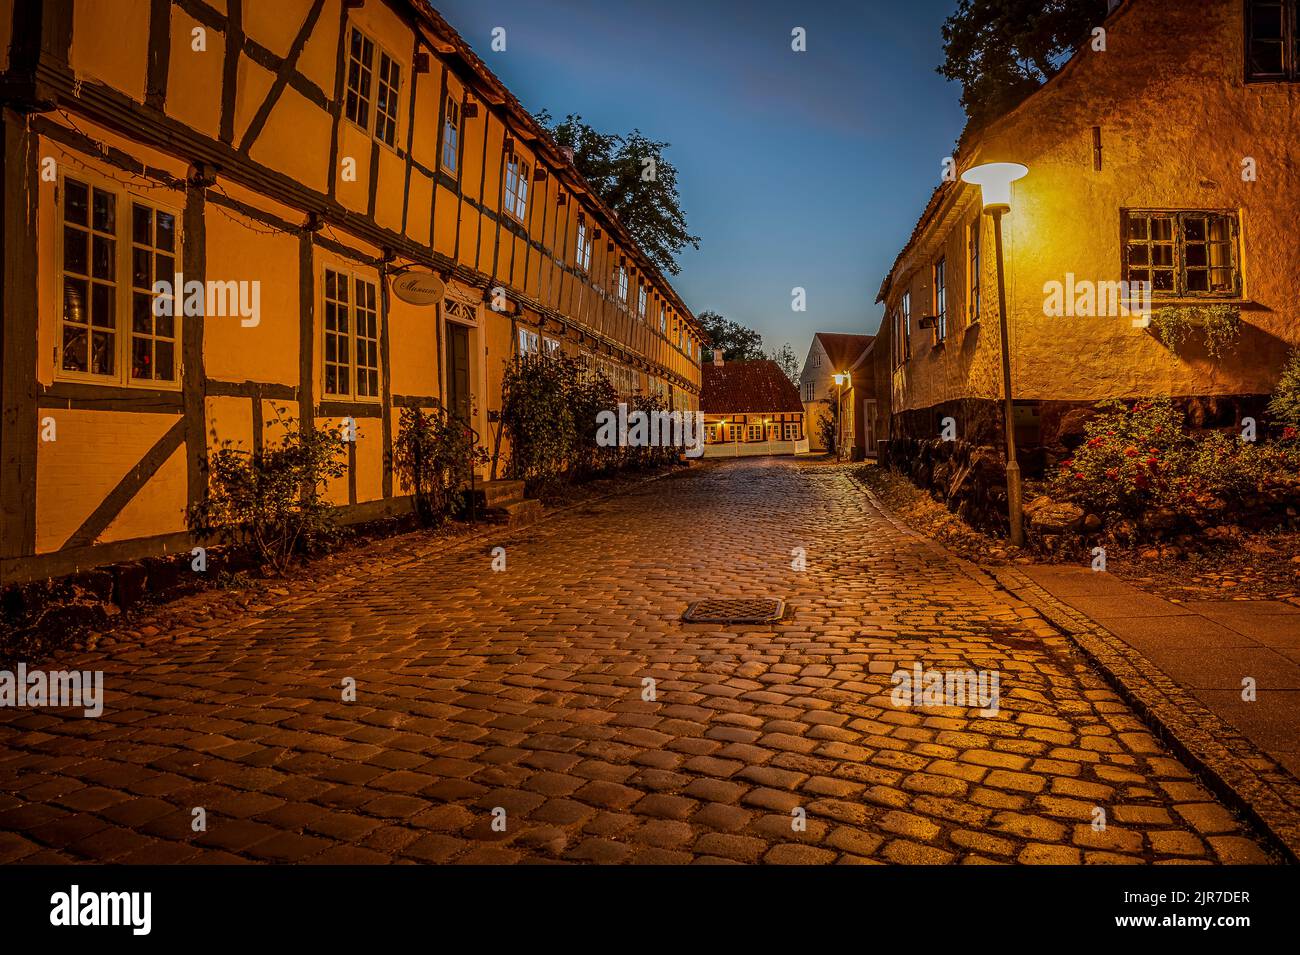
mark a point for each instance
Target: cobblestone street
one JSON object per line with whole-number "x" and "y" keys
{"x": 523, "y": 690}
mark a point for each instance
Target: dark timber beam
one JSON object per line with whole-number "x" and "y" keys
{"x": 18, "y": 357}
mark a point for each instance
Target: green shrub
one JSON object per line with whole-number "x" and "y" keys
{"x": 1221, "y": 324}
{"x": 433, "y": 455}
{"x": 273, "y": 499}
{"x": 537, "y": 418}
{"x": 1285, "y": 404}
{"x": 826, "y": 430}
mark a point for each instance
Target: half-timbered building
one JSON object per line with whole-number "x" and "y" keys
{"x": 298, "y": 160}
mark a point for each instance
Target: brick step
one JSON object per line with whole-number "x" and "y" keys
{"x": 494, "y": 494}
{"x": 515, "y": 513}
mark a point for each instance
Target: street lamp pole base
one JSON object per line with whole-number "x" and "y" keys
{"x": 1014, "y": 502}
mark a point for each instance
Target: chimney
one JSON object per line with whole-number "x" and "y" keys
{"x": 717, "y": 357}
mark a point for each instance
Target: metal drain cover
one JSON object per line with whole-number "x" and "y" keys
{"x": 734, "y": 610}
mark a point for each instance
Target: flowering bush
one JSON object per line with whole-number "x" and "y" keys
{"x": 1285, "y": 404}
{"x": 1141, "y": 457}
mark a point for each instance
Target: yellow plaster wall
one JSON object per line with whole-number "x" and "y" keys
{"x": 94, "y": 450}
{"x": 110, "y": 44}
{"x": 267, "y": 352}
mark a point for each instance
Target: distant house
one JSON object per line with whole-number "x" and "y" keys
{"x": 750, "y": 407}
{"x": 833, "y": 353}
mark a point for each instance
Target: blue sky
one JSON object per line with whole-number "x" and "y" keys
{"x": 795, "y": 169}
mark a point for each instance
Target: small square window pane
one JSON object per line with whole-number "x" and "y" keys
{"x": 165, "y": 234}
{"x": 102, "y": 312}
{"x": 101, "y": 353}
{"x": 74, "y": 349}
{"x": 75, "y": 244}
{"x": 105, "y": 212}
{"x": 165, "y": 361}
{"x": 76, "y": 198}
{"x": 102, "y": 258}
{"x": 141, "y": 225}
{"x": 74, "y": 301}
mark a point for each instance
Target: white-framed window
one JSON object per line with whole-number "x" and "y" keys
{"x": 552, "y": 346}
{"x": 620, "y": 283}
{"x": 584, "y": 246}
{"x": 973, "y": 267}
{"x": 817, "y": 359}
{"x": 792, "y": 431}
{"x": 529, "y": 342}
{"x": 755, "y": 432}
{"x": 663, "y": 319}
{"x": 109, "y": 329}
{"x": 371, "y": 96}
{"x": 642, "y": 297}
{"x": 350, "y": 336}
{"x": 450, "y": 134}
{"x": 516, "y": 187}
{"x": 941, "y": 300}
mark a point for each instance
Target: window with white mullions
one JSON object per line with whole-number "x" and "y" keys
{"x": 89, "y": 339}
{"x": 153, "y": 259}
{"x": 338, "y": 334}
{"x": 516, "y": 187}
{"x": 367, "y": 344}
{"x": 390, "y": 80}
{"x": 940, "y": 301}
{"x": 361, "y": 57}
{"x": 374, "y": 79}
{"x": 1182, "y": 254}
{"x": 584, "y": 246}
{"x": 450, "y": 134}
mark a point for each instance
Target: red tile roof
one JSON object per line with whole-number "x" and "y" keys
{"x": 747, "y": 387}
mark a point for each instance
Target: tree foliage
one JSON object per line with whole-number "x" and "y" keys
{"x": 633, "y": 177}
{"x": 788, "y": 362}
{"x": 1002, "y": 50}
{"x": 1285, "y": 403}
{"x": 737, "y": 342}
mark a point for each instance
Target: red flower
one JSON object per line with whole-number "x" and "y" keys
{"x": 1079, "y": 475}
{"x": 1112, "y": 473}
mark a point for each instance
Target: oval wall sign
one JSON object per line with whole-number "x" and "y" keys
{"x": 418, "y": 288}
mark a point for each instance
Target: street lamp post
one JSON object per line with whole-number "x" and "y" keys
{"x": 841, "y": 378}
{"x": 994, "y": 180}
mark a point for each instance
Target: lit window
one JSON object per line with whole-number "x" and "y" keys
{"x": 351, "y": 327}
{"x": 552, "y": 347}
{"x": 450, "y": 134}
{"x": 973, "y": 265}
{"x": 1182, "y": 253}
{"x": 89, "y": 279}
{"x": 153, "y": 259}
{"x": 98, "y": 300}
{"x": 516, "y": 187}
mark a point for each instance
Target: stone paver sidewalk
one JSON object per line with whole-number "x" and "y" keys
{"x": 1207, "y": 646}
{"x": 523, "y": 696}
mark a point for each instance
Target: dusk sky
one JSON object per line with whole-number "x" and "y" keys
{"x": 795, "y": 169}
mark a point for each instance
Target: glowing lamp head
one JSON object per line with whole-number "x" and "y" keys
{"x": 994, "y": 180}
{"x": 839, "y": 378}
